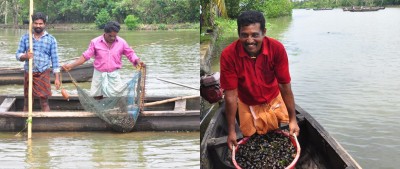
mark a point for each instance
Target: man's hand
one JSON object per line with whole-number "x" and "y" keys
{"x": 139, "y": 65}
{"x": 231, "y": 140}
{"x": 57, "y": 83}
{"x": 142, "y": 64}
{"x": 28, "y": 55}
{"x": 66, "y": 67}
{"x": 294, "y": 128}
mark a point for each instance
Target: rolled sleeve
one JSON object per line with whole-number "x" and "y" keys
{"x": 22, "y": 48}
{"x": 130, "y": 54}
{"x": 90, "y": 51}
{"x": 229, "y": 78}
{"x": 54, "y": 57}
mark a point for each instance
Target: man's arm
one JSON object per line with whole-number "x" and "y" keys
{"x": 288, "y": 98}
{"x": 77, "y": 62}
{"x": 131, "y": 55}
{"x": 230, "y": 114}
{"x": 22, "y": 54}
{"x": 57, "y": 82}
{"x": 55, "y": 63}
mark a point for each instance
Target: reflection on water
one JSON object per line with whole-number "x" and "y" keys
{"x": 344, "y": 69}
{"x": 101, "y": 150}
{"x": 171, "y": 55}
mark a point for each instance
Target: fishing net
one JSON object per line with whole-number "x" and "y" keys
{"x": 121, "y": 111}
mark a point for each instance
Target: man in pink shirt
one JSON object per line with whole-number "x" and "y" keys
{"x": 107, "y": 51}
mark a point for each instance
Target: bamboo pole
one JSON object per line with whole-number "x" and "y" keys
{"x": 30, "y": 99}
{"x": 170, "y": 100}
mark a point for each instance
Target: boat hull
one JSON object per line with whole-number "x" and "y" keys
{"x": 70, "y": 116}
{"x": 81, "y": 73}
{"x": 318, "y": 148}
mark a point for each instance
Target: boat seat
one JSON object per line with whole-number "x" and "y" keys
{"x": 180, "y": 105}
{"x": 7, "y": 103}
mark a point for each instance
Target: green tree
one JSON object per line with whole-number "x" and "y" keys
{"x": 208, "y": 12}
{"x": 102, "y": 18}
{"x": 232, "y": 8}
{"x": 131, "y": 22}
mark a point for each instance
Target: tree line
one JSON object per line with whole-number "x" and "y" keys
{"x": 232, "y": 8}
{"x": 341, "y": 3}
{"x": 86, "y": 11}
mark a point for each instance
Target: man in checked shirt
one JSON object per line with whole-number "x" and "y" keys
{"x": 44, "y": 56}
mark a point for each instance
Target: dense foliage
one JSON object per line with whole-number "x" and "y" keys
{"x": 102, "y": 18}
{"x": 87, "y": 11}
{"x": 270, "y": 8}
{"x": 131, "y": 22}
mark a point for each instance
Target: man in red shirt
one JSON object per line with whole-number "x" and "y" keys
{"x": 255, "y": 77}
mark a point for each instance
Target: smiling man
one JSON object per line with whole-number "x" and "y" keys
{"x": 107, "y": 51}
{"x": 44, "y": 56}
{"x": 255, "y": 77}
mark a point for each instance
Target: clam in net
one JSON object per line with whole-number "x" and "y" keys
{"x": 122, "y": 111}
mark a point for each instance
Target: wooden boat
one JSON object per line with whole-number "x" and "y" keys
{"x": 320, "y": 9}
{"x": 362, "y": 9}
{"x": 168, "y": 114}
{"x": 80, "y": 73}
{"x": 318, "y": 148}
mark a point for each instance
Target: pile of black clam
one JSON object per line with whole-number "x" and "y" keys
{"x": 271, "y": 150}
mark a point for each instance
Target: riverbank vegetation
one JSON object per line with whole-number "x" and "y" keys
{"x": 222, "y": 14}
{"x": 148, "y": 14}
{"x": 341, "y": 3}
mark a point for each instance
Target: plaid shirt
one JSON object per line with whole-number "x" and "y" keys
{"x": 44, "y": 53}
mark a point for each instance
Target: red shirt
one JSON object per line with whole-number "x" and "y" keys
{"x": 256, "y": 79}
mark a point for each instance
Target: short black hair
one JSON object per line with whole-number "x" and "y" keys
{"x": 112, "y": 26}
{"x": 39, "y": 15}
{"x": 247, "y": 18}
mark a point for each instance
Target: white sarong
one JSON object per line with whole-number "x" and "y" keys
{"x": 107, "y": 84}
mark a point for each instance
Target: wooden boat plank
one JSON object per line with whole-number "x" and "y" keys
{"x": 81, "y": 73}
{"x": 171, "y": 113}
{"x": 180, "y": 105}
{"x": 54, "y": 114}
{"x": 6, "y": 104}
{"x": 336, "y": 154}
{"x": 70, "y": 116}
{"x": 89, "y": 122}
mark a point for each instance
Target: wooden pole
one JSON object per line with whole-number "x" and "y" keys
{"x": 170, "y": 100}
{"x": 30, "y": 99}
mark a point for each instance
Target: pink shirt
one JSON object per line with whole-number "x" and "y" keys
{"x": 109, "y": 59}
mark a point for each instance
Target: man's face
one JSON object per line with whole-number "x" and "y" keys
{"x": 38, "y": 26}
{"x": 110, "y": 37}
{"x": 251, "y": 37}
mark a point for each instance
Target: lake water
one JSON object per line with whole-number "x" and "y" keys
{"x": 170, "y": 55}
{"x": 344, "y": 69}
{"x": 100, "y": 150}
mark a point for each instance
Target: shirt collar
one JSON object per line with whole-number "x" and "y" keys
{"x": 103, "y": 40}
{"x": 264, "y": 48}
{"x": 44, "y": 34}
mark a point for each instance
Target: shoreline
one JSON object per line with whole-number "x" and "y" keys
{"x": 92, "y": 26}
